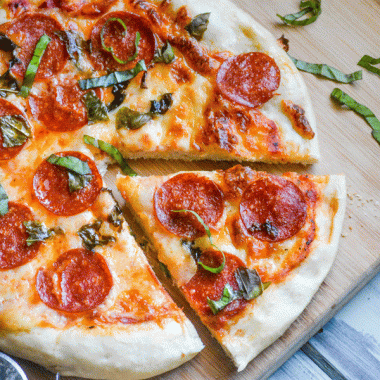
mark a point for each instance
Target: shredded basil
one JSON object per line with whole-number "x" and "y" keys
{"x": 110, "y": 48}
{"x": 326, "y": 71}
{"x": 34, "y": 63}
{"x": 96, "y": 109}
{"x": 6, "y": 44}
{"x": 91, "y": 237}
{"x": 195, "y": 252}
{"x": 74, "y": 45}
{"x": 116, "y": 217}
{"x": 161, "y": 106}
{"x": 267, "y": 227}
{"x": 164, "y": 54}
{"x": 312, "y": 6}
{"x": 367, "y": 62}
{"x": 79, "y": 172}
{"x": 360, "y": 109}
{"x": 15, "y": 130}
{"x": 127, "y": 118}
{"x": 165, "y": 269}
{"x": 208, "y": 232}
{"x": 198, "y": 25}
{"x": 111, "y": 151}
{"x": 118, "y": 96}
{"x": 3, "y": 201}
{"x": 38, "y": 232}
{"x": 113, "y": 78}
{"x": 250, "y": 287}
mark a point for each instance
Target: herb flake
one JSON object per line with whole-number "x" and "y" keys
{"x": 131, "y": 119}
{"x": 91, "y": 236}
{"x": 38, "y": 232}
{"x": 15, "y": 130}
{"x": 96, "y": 109}
{"x": 198, "y": 25}
{"x": 165, "y": 54}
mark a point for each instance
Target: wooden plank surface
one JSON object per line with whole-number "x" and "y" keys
{"x": 346, "y": 31}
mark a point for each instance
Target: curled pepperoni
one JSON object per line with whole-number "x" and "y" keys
{"x": 206, "y": 285}
{"x": 78, "y": 281}
{"x": 190, "y": 192}
{"x": 25, "y": 32}
{"x": 13, "y": 249}
{"x": 249, "y": 79}
{"x": 51, "y": 187}
{"x": 273, "y": 209}
{"x": 122, "y": 42}
{"x": 60, "y": 108}
{"x": 7, "y": 109}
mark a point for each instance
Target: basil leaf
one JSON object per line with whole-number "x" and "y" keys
{"x": 79, "y": 172}
{"x": 311, "y": 6}
{"x": 74, "y": 45}
{"x": 208, "y": 232}
{"x": 110, "y": 48}
{"x": 91, "y": 236}
{"x": 34, "y": 63}
{"x": 198, "y": 25}
{"x": 165, "y": 269}
{"x": 6, "y": 44}
{"x": 3, "y": 201}
{"x": 118, "y": 96}
{"x": 195, "y": 252}
{"x": 267, "y": 226}
{"x": 15, "y": 130}
{"x": 326, "y": 71}
{"x": 161, "y": 106}
{"x": 164, "y": 54}
{"x": 116, "y": 217}
{"x": 96, "y": 109}
{"x": 360, "y": 109}
{"x": 228, "y": 296}
{"x": 127, "y": 118}
{"x": 8, "y": 84}
{"x": 38, "y": 232}
{"x": 249, "y": 283}
{"x": 111, "y": 151}
{"x": 366, "y": 61}
{"x": 113, "y": 78}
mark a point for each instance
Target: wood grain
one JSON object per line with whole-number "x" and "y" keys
{"x": 346, "y": 31}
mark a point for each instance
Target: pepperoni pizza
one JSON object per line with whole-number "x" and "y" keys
{"x": 272, "y": 241}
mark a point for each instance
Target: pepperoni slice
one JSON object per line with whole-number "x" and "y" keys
{"x": 25, "y": 32}
{"x": 273, "y": 209}
{"x": 7, "y": 108}
{"x": 60, "y": 108}
{"x": 205, "y": 284}
{"x": 51, "y": 187}
{"x": 191, "y": 192}
{"x": 78, "y": 281}
{"x": 249, "y": 79}
{"x": 13, "y": 249}
{"x": 122, "y": 42}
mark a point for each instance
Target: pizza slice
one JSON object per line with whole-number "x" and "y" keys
{"x": 247, "y": 249}
{"x": 77, "y": 294}
{"x": 159, "y": 79}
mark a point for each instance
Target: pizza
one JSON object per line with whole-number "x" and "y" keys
{"x": 272, "y": 240}
{"x": 83, "y": 81}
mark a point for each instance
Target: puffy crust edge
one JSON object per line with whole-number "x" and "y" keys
{"x": 134, "y": 352}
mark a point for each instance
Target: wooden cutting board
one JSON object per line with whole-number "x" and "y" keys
{"x": 346, "y": 30}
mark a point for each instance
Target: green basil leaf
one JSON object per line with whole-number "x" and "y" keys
{"x": 34, "y": 63}
{"x": 110, "y": 48}
{"x": 164, "y": 54}
{"x": 8, "y": 84}
{"x": 91, "y": 236}
{"x": 228, "y": 296}
{"x": 3, "y": 201}
{"x": 38, "y": 232}
{"x": 116, "y": 217}
{"x": 326, "y": 71}
{"x": 313, "y": 7}
{"x": 208, "y": 232}
{"x": 165, "y": 269}
{"x": 118, "y": 96}
{"x": 96, "y": 109}
{"x": 267, "y": 226}
{"x": 74, "y": 45}
{"x": 15, "y": 130}
{"x": 360, "y": 109}
{"x": 113, "y": 78}
{"x": 249, "y": 283}
{"x": 78, "y": 171}
{"x": 161, "y": 106}
{"x": 6, "y": 44}
{"x": 195, "y": 252}
{"x": 111, "y": 151}
{"x": 366, "y": 61}
{"x": 198, "y": 25}
{"x": 127, "y": 118}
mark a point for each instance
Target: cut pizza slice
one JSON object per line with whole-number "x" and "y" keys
{"x": 77, "y": 294}
{"x": 247, "y": 249}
